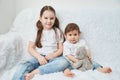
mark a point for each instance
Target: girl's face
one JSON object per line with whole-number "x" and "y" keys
{"x": 47, "y": 19}
{"x": 72, "y": 36}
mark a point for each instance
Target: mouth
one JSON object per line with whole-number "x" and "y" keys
{"x": 73, "y": 40}
{"x": 49, "y": 24}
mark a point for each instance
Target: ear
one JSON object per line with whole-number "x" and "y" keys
{"x": 65, "y": 36}
{"x": 79, "y": 34}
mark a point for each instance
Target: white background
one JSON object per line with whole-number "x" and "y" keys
{"x": 10, "y": 8}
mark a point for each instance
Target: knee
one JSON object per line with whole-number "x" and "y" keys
{"x": 19, "y": 72}
{"x": 22, "y": 67}
{"x": 64, "y": 62}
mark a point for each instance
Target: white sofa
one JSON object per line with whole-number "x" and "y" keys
{"x": 100, "y": 28}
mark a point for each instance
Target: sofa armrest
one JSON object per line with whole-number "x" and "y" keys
{"x": 10, "y": 49}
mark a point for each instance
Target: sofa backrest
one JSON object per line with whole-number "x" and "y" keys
{"x": 100, "y": 27}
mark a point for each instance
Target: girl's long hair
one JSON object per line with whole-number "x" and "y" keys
{"x": 40, "y": 26}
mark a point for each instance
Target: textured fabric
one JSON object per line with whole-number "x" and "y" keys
{"x": 84, "y": 63}
{"x": 69, "y": 48}
{"x": 54, "y": 65}
{"x": 100, "y": 29}
{"x": 49, "y": 41}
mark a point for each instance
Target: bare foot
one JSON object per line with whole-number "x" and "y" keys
{"x": 28, "y": 76}
{"x": 105, "y": 70}
{"x": 68, "y": 73}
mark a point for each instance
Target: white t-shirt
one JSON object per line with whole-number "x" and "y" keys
{"x": 69, "y": 48}
{"x": 49, "y": 41}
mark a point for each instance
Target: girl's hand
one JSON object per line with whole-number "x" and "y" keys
{"x": 42, "y": 60}
{"x": 49, "y": 56}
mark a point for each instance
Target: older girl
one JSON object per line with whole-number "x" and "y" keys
{"x": 46, "y": 48}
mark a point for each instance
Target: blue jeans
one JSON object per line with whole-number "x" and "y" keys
{"x": 53, "y": 65}
{"x": 95, "y": 65}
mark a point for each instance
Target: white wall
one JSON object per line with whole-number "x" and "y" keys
{"x": 68, "y": 4}
{"x": 7, "y": 14}
{"x": 10, "y": 8}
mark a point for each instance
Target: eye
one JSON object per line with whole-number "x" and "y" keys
{"x": 75, "y": 34}
{"x": 45, "y": 18}
{"x": 51, "y": 18}
{"x": 70, "y": 34}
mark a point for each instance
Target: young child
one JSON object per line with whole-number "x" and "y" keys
{"x": 46, "y": 49}
{"x": 71, "y": 46}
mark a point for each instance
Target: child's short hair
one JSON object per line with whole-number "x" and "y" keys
{"x": 71, "y": 27}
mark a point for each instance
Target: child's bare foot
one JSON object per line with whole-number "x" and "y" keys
{"x": 28, "y": 76}
{"x": 68, "y": 73}
{"x": 105, "y": 70}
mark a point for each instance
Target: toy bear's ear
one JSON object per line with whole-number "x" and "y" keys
{"x": 78, "y": 50}
{"x": 81, "y": 53}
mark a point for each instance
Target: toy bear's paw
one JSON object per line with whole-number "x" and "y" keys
{"x": 77, "y": 64}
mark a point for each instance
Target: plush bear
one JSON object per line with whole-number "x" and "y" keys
{"x": 84, "y": 62}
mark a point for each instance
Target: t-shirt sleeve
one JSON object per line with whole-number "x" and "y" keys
{"x": 66, "y": 49}
{"x": 60, "y": 37}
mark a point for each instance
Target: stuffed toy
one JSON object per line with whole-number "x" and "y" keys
{"x": 84, "y": 62}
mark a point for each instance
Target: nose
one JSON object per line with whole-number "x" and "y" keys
{"x": 49, "y": 20}
{"x": 73, "y": 37}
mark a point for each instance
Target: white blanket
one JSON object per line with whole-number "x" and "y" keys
{"x": 100, "y": 28}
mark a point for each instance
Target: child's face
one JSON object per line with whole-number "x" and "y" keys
{"x": 47, "y": 19}
{"x": 72, "y": 36}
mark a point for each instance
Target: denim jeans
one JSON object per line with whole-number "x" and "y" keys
{"x": 96, "y": 65}
{"x": 53, "y": 65}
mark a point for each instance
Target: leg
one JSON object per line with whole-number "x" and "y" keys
{"x": 68, "y": 73}
{"x": 21, "y": 70}
{"x": 104, "y": 69}
{"x": 101, "y": 69}
{"x": 77, "y": 64}
{"x": 55, "y": 65}
{"x": 30, "y": 75}
{"x": 24, "y": 68}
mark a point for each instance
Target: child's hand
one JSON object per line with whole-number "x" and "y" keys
{"x": 49, "y": 56}
{"x": 89, "y": 57}
{"x": 76, "y": 60}
{"x": 42, "y": 60}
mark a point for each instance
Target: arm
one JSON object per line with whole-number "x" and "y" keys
{"x": 57, "y": 53}
{"x": 31, "y": 49}
{"x": 72, "y": 58}
{"x": 88, "y": 53}
{"x": 59, "y": 50}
